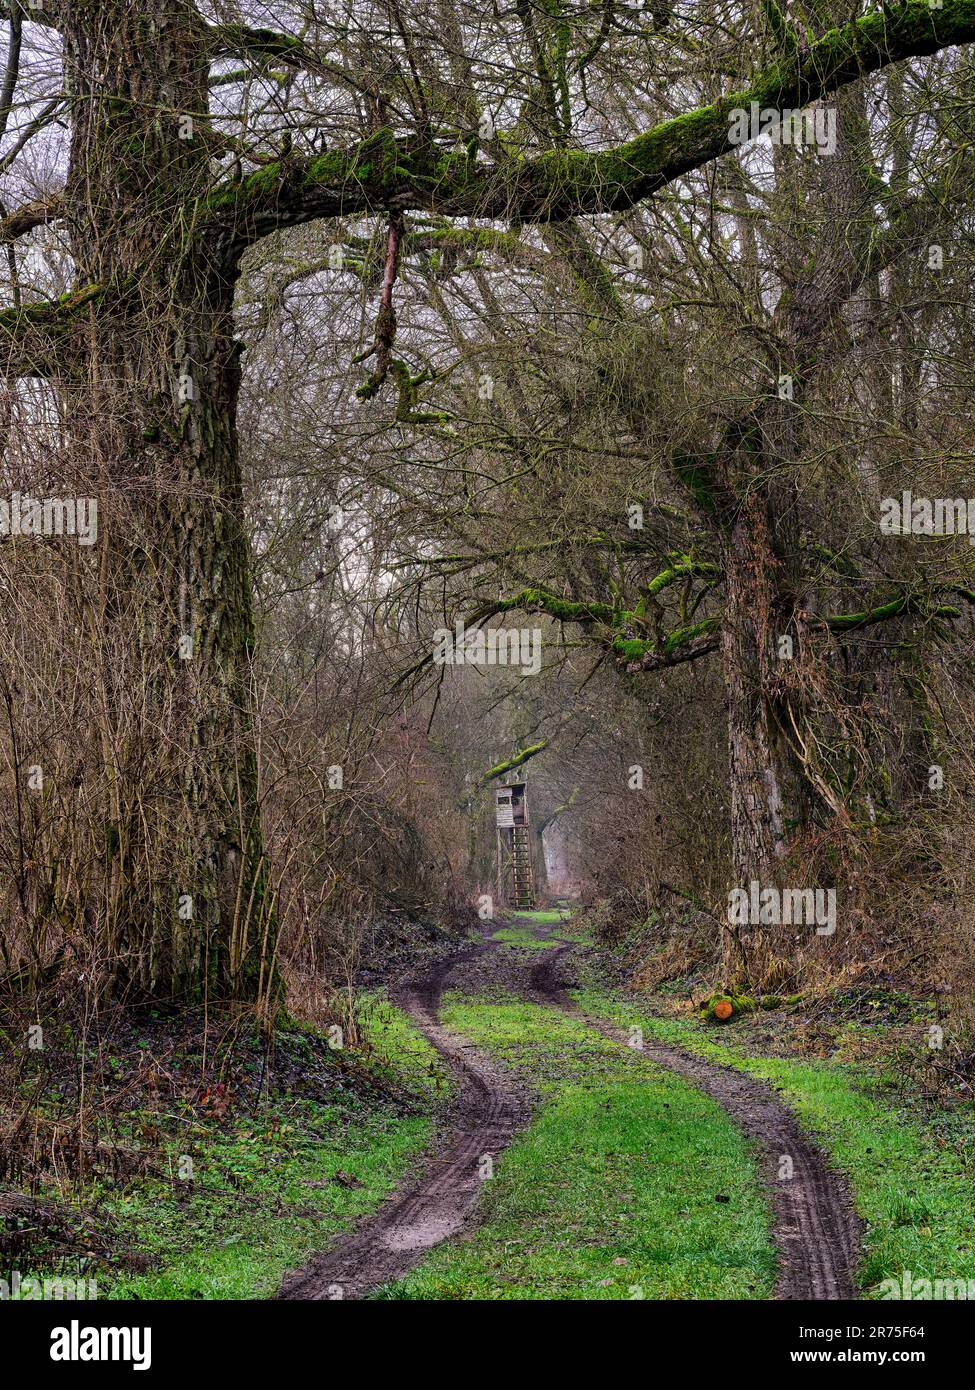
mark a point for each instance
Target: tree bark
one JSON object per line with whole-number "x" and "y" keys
{"x": 747, "y": 638}
{"x": 186, "y": 909}
{"x": 766, "y": 785}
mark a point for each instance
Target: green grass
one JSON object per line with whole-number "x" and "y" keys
{"x": 912, "y": 1181}
{"x": 611, "y": 1192}
{"x": 236, "y": 1244}
{"x": 542, "y": 917}
{"x": 580, "y": 936}
{"x": 562, "y": 922}
{"x": 521, "y": 930}
{"x": 522, "y": 936}
{"x": 263, "y": 1196}
{"x": 391, "y": 1041}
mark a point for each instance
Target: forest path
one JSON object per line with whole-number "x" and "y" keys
{"x": 815, "y": 1228}
{"x": 490, "y": 1107}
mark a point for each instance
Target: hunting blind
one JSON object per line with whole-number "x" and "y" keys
{"x": 515, "y": 880}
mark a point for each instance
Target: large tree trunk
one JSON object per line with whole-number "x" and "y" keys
{"x": 185, "y": 909}
{"x": 747, "y": 649}
{"x": 766, "y": 785}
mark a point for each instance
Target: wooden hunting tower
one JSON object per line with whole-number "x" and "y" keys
{"x": 516, "y": 884}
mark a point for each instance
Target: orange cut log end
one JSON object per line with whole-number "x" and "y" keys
{"x": 723, "y": 1009}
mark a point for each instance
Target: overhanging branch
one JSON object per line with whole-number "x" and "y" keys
{"x": 510, "y": 764}
{"x": 24, "y": 219}
{"x": 387, "y": 170}
{"x": 32, "y": 337}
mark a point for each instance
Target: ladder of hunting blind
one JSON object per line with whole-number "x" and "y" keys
{"x": 522, "y": 883}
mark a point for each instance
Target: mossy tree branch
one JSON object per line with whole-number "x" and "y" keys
{"x": 387, "y": 170}
{"x": 35, "y": 338}
{"x": 510, "y": 764}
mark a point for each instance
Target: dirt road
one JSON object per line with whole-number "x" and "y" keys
{"x": 815, "y": 1231}
{"x": 490, "y": 1107}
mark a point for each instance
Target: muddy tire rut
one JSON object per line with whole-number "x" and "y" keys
{"x": 815, "y": 1231}
{"x": 490, "y": 1107}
